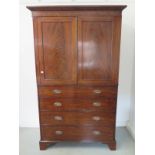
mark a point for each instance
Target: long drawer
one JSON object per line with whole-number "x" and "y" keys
{"x": 62, "y": 91}
{"x": 77, "y": 104}
{"x": 77, "y": 118}
{"x": 72, "y": 133}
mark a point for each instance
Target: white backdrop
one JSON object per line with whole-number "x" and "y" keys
{"x": 28, "y": 91}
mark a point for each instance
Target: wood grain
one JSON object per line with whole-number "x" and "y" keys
{"x": 77, "y": 8}
{"x": 73, "y": 133}
{"x": 95, "y": 50}
{"x": 80, "y": 118}
{"x": 78, "y": 104}
{"x": 85, "y": 92}
{"x": 57, "y": 37}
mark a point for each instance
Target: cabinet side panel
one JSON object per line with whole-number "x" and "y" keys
{"x": 35, "y": 33}
{"x": 116, "y": 46}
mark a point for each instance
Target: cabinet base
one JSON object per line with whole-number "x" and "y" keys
{"x": 112, "y": 145}
{"x": 45, "y": 144}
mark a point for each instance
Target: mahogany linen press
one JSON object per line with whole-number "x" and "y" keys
{"x": 77, "y": 65}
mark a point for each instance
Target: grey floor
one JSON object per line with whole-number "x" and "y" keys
{"x": 29, "y": 138}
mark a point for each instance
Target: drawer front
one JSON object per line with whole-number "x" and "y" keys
{"x": 77, "y": 118}
{"x": 76, "y": 133}
{"x": 73, "y": 104}
{"x": 59, "y": 91}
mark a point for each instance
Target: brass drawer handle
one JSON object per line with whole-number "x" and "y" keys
{"x": 57, "y": 104}
{"x": 96, "y": 118}
{"x": 58, "y": 132}
{"x": 58, "y": 118}
{"x": 97, "y": 91}
{"x": 96, "y": 104}
{"x": 57, "y": 91}
{"x": 96, "y": 132}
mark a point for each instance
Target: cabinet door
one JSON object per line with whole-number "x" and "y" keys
{"x": 98, "y": 50}
{"x": 57, "y": 50}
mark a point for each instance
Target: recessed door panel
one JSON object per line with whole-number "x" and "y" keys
{"x": 57, "y": 50}
{"x": 95, "y": 51}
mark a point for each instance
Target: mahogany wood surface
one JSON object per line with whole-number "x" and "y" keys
{"x": 95, "y": 53}
{"x": 71, "y": 133}
{"x": 65, "y": 91}
{"x": 57, "y": 36}
{"x": 77, "y": 52}
{"x": 77, "y": 8}
{"x": 80, "y": 118}
{"x": 78, "y": 104}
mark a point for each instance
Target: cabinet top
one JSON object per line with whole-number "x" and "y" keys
{"x": 78, "y": 8}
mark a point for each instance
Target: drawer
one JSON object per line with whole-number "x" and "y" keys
{"x": 73, "y": 104}
{"x": 61, "y": 91}
{"x": 77, "y": 118}
{"x": 76, "y": 133}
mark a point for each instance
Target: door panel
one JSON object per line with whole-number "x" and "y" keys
{"x": 57, "y": 50}
{"x": 95, "y": 51}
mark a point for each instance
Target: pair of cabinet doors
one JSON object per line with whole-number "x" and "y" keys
{"x": 77, "y": 50}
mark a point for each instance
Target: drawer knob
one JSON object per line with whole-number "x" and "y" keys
{"x": 96, "y": 104}
{"x": 97, "y": 91}
{"x": 57, "y": 91}
{"x": 96, "y": 132}
{"x": 42, "y": 72}
{"x": 96, "y": 118}
{"x": 58, "y": 132}
{"x": 58, "y": 118}
{"x": 57, "y": 104}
